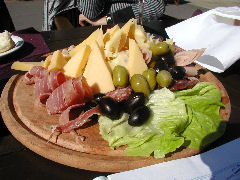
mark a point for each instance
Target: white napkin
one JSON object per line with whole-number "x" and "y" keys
{"x": 220, "y": 163}
{"x": 213, "y": 30}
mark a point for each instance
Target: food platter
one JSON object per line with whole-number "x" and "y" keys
{"x": 32, "y": 127}
{"x": 18, "y": 43}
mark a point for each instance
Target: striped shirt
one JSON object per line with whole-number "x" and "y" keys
{"x": 94, "y": 9}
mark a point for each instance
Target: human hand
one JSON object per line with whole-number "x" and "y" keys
{"x": 100, "y": 21}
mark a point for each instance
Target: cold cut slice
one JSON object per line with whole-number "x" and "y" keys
{"x": 73, "y": 91}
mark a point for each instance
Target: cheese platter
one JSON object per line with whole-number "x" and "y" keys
{"x": 93, "y": 145}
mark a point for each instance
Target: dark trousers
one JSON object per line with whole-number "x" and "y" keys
{"x": 72, "y": 15}
{"x": 5, "y": 18}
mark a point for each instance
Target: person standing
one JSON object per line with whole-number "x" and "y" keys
{"x": 98, "y": 12}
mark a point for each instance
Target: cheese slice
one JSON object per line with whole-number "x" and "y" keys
{"x": 97, "y": 72}
{"x": 136, "y": 63}
{"x": 127, "y": 30}
{"x": 100, "y": 41}
{"x": 47, "y": 61}
{"x": 141, "y": 37}
{"x": 87, "y": 41}
{"x": 112, "y": 46}
{"x": 25, "y": 66}
{"x": 57, "y": 61}
{"x": 121, "y": 59}
{"x": 110, "y": 33}
{"x": 75, "y": 66}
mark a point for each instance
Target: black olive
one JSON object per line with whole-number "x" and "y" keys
{"x": 160, "y": 65}
{"x": 110, "y": 108}
{"x": 167, "y": 58}
{"x": 139, "y": 116}
{"x": 89, "y": 105}
{"x": 134, "y": 100}
{"x": 177, "y": 72}
{"x": 98, "y": 96}
{"x": 122, "y": 105}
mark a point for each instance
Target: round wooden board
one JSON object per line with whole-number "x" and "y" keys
{"x": 31, "y": 126}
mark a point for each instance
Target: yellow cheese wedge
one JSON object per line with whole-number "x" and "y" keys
{"x": 127, "y": 30}
{"x": 136, "y": 63}
{"x": 141, "y": 37}
{"x": 97, "y": 73}
{"x": 47, "y": 61}
{"x": 25, "y": 66}
{"x": 100, "y": 41}
{"x": 75, "y": 66}
{"x": 111, "y": 47}
{"x": 87, "y": 41}
{"x": 121, "y": 59}
{"x": 109, "y": 33}
{"x": 57, "y": 61}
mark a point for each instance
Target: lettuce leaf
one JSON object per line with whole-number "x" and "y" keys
{"x": 159, "y": 135}
{"x": 203, "y": 103}
{"x": 187, "y": 118}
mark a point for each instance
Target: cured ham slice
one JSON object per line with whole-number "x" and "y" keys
{"x": 184, "y": 84}
{"x": 177, "y": 49}
{"x": 36, "y": 72}
{"x": 147, "y": 55}
{"x": 185, "y": 58}
{"x": 67, "y": 126}
{"x": 45, "y": 82}
{"x": 73, "y": 91}
{"x": 191, "y": 70}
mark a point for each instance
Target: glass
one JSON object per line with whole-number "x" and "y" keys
{"x": 140, "y": 6}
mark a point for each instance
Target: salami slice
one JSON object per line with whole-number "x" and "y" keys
{"x": 120, "y": 94}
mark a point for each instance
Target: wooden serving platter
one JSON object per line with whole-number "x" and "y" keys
{"x": 32, "y": 127}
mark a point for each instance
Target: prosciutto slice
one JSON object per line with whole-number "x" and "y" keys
{"x": 147, "y": 55}
{"x": 177, "y": 49}
{"x": 191, "y": 70}
{"x": 36, "y": 72}
{"x": 184, "y": 84}
{"x": 45, "y": 82}
{"x": 67, "y": 126}
{"x": 73, "y": 91}
{"x": 185, "y": 58}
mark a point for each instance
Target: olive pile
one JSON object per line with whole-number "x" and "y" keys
{"x": 162, "y": 71}
{"x": 164, "y": 64}
{"x": 134, "y": 106}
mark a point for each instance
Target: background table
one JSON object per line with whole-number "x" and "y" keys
{"x": 16, "y": 161}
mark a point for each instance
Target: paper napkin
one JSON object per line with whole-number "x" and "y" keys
{"x": 220, "y": 163}
{"x": 214, "y": 30}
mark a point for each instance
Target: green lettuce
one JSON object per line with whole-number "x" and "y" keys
{"x": 159, "y": 135}
{"x": 184, "y": 118}
{"x": 203, "y": 103}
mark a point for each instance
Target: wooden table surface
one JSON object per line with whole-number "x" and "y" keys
{"x": 18, "y": 161}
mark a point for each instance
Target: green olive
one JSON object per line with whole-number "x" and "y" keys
{"x": 150, "y": 75}
{"x": 159, "y": 48}
{"x": 164, "y": 78}
{"x": 152, "y": 63}
{"x": 172, "y": 48}
{"x": 140, "y": 84}
{"x": 120, "y": 76}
